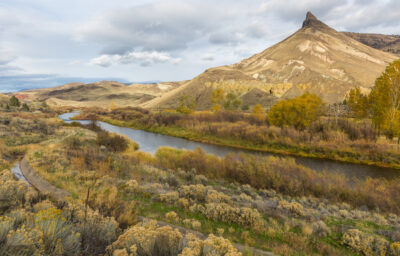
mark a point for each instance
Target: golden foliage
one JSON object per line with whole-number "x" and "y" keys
{"x": 258, "y": 112}
{"x": 298, "y": 112}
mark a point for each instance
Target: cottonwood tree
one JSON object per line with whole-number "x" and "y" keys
{"x": 385, "y": 100}
{"x": 258, "y": 112}
{"x": 358, "y": 103}
{"x": 217, "y": 98}
{"x": 298, "y": 112}
{"x": 232, "y": 102}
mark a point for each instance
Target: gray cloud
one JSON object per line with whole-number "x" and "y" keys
{"x": 208, "y": 57}
{"x": 163, "y": 26}
{"x": 168, "y": 26}
{"x": 226, "y": 38}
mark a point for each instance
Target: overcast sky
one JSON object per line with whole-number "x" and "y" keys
{"x": 49, "y": 42}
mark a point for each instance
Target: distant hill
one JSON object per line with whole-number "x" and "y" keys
{"x": 316, "y": 58}
{"x": 387, "y": 43}
{"x": 4, "y": 99}
{"x": 99, "y": 94}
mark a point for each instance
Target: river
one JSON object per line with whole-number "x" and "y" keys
{"x": 150, "y": 142}
{"x": 16, "y": 170}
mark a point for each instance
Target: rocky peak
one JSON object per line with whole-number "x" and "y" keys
{"x": 312, "y": 22}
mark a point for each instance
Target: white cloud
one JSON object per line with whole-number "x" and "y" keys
{"x": 143, "y": 58}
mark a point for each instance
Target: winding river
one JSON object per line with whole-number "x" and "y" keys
{"x": 150, "y": 142}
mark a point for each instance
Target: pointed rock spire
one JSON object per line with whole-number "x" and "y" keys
{"x": 312, "y": 22}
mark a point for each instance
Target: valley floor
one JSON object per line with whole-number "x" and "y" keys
{"x": 263, "y": 202}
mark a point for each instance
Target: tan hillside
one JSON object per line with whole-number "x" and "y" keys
{"x": 387, "y": 43}
{"x": 316, "y": 58}
{"x": 100, "y": 94}
{"x": 4, "y": 99}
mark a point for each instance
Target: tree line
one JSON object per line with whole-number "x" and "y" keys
{"x": 382, "y": 104}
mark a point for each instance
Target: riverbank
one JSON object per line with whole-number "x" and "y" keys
{"x": 279, "y": 149}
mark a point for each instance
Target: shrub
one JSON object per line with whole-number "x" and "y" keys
{"x": 115, "y": 143}
{"x": 196, "y": 224}
{"x": 214, "y": 196}
{"x": 298, "y": 112}
{"x": 14, "y": 194}
{"x": 182, "y": 203}
{"x": 242, "y": 216}
{"x": 110, "y": 202}
{"x": 171, "y": 216}
{"x": 292, "y": 207}
{"x": 73, "y": 142}
{"x": 193, "y": 192}
{"x": 320, "y": 228}
{"x": 169, "y": 197}
{"x": 365, "y": 243}
{"x": 306, "y": 229}
{"x": 57, "y": 235}
{"x": 148, "y": 239}
{"x": 395, "y": 249}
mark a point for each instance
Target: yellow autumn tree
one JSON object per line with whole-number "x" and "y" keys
{"x": 385, "y": 100}
{"x": 217, "y": 99}
{"x": 358, "y": 103}
{"x": 258, "y": 112}
{"x": 298, "y": 112}
{"x": 112, "y": 106}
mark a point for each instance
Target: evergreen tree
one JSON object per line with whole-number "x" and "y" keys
{"x": 14, "y": 102}
{"x": 25, "y": 107}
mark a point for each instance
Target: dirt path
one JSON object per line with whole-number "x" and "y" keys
{"x": 46, "y": 188}
{"x": 39, "y": 183}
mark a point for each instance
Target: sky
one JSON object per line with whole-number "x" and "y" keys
{"x": 46, "y": 43}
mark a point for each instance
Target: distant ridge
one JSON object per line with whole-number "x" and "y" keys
{"x": 387, "y": 43}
